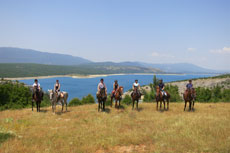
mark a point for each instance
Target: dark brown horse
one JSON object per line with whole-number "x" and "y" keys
{"x": 101, "y": 99}
{"x": 117, "y": 97}
{"x": 37, "y": 97}
{"x": 160, "y": 98}
{"x": 136, "y": 95}
{"x": 189, "y": 96}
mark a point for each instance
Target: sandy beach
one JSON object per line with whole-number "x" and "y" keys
{"x": 83, "y": 76}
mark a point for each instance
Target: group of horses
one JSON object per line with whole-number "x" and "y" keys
{"x": 189, "y": 96}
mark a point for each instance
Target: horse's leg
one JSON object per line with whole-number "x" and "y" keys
{"x": 98, "y": 106}
{"x": 62, "y": 104}
{"x": 32, "y": 105}
{"x": 164, "y": 103}
{"x": 160, "y": 103}
{"x": 190, "y": 105}
{"x": 133, "y": 104}
{"x": 193, "y": 104}
{"x": 119, "y": 104}
{"x": 37, "y": 105}
{"x": 185, "y": 104}
{"x": 137, "y": 104}
{"x": 65, "y": 105}
{"x": 167, "y": 104}
{"x": 111, "y": 101}
{"x": 103, "y": 105}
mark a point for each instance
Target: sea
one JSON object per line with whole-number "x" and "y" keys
{"x": 80, "y": 87}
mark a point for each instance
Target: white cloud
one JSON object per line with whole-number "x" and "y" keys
{"x": 225, "y": 50}
{"x": 191, "y": 49}
{"x": 156, "y": 54}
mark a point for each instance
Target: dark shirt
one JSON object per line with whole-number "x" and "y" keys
{"x": 161, "y": 85}
{"x": 189, "y": 86}
{"x": 116, "y": 85}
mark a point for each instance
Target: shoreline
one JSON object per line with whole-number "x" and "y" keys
{"x": 84, "y": 76}
{"x": 78, "y": 76}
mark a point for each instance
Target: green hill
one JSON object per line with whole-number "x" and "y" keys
{"x": 13, "y": 70}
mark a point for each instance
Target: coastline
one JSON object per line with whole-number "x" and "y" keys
{"x": 83, "y": 76}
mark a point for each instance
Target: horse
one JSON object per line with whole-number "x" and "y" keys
{"x": 189, "y": 96}
{"x": 37, "y": 97}
{"x": 160, "y": 98}
{"x": 136, "y": 95}
{"x": 101, "y": 99}
{"x": 55, "y": 99}
{"x": 117, "y": 97}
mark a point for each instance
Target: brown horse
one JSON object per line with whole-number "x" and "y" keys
{"x": 160, "y": 98}
{"x": 189, "y": 96}
{"x": 37, "y": 97}
{"x": 101, "y": 99}
{"x": 136, "y": 95}
{"x": 117, "y": 97}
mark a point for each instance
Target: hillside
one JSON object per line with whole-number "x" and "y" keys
{"x": 83, "y": 129}
{"x": 14, "y": 70}
{"x": 19, "y": 55}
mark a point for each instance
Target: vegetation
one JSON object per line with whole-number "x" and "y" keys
{"x": 15, "y": 95}
{"x": 89, "y": 99}
{"x": 84, "y": 129}
{"x": 215, "y": 94}
{"x": 13, "y": 70}
{"x": 127, "y": 100}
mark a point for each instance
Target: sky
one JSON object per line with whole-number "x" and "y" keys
{"x": 153, "y": 31}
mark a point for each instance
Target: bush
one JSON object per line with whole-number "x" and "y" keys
{"x": 174, "y": 93}
{"x": 127, "y": 100}
{"x": 149, "y": 97}
{"x": 75, "y": 102}
{"x": 88, "y": 99}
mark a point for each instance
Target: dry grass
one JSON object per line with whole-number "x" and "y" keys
{"x": 83, "y": 129}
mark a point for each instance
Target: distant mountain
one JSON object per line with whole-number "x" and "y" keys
{"x": 174, "y": 67}
{"x": 18, "y": 55}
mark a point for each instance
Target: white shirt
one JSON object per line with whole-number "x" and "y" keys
{"x": 136, "y": 84}
{"x": 36, "y": 85}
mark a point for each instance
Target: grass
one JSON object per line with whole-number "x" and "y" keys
{"x": 83, "y": 129}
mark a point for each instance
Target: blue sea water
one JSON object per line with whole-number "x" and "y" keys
{"x": 80, "y": 87}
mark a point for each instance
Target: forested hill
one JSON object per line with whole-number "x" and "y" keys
{"x": 19, "y": 55}
{"x": 13, "y": 70}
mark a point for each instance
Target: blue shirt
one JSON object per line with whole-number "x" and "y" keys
{"x": 161, "y": 85}
{"x": 189, "y": 86}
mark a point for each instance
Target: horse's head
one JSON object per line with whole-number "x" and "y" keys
{"x": 121, "y": 89}
{"x": 51, "y": 93}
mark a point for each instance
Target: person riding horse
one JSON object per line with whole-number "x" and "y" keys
{"x": 189, "y": 95}
{"x": 57, "y": 87}
{"x": 100, "y": 86}
{"x": 136, "y": 88}
{"x": 162, "y": 87}
{"x": 115, "y": 88}
{"x": 36, "y": 88}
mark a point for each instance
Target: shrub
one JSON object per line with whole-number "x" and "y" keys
{"x": 88, "y": 99}
{"x": 127, "y": 100}
{"x": 174, "y": 93}
{"x": 75, "y": 102}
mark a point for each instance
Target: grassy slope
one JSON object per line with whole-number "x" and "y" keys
{"x": 83, "y": 129}
{"x": 30, "y": 70}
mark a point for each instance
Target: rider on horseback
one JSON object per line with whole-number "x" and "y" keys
{"x": 189, "y": 86}
{"x": 57, "y": 87}
{"x": 100, "y": 86}
{"x": 115, "y": 88}
{"x": 36, "y": 87}
{"x": 136, "y": 87}
{"x": 162, "y": 86}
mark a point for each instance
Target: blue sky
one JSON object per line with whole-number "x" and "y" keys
{"x": 154, "y": 31}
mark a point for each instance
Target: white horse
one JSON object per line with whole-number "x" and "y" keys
{"x": 54, "y": 99}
